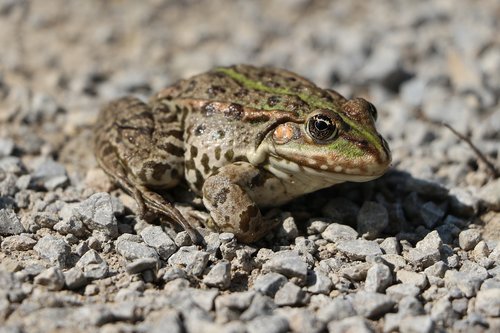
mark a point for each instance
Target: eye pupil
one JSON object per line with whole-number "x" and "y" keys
{"x": 321, "y": 127}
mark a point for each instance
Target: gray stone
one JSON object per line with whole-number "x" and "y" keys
{"x": 49, "y": 175}
{"x": 219, "y": 275}
{"x": 341, "y": 209}
{"x": 189, "y": 257}
{"x": 288, "y": 229}
{"x": 417, "y": 324}
{"x": 6, "y": 146}
{"x": 316, "y": 226}
{"x": 390, "y": 245}
{"x": 11, "y": 164}
{"x": 419, "y": 280}
{"x": 359, "y": 249}
{"x": 399, "y": 291}
{"x": 438, "y": 269}
{"x": 261, "y": 305}
{"x": 490, "y": 194}
{"x": 410, "y": 306}
{"x": 289, "y": 294}
{"x": 18, "y": 243}
{"x": 268, "y": 324}
{"x": 426, "y": 252}
{"x": 488, "y": 302}
{"x": 302, "y": 320}
{"x": 159, "y": 240}
{"x": 431, "y": 214}
{"x": 372, "y": 305}
{"x": 378, "y": 278}
{"x": 92, "y": 265}
{"x": 339, "y": 308}
{"x": 158, "y": 321}
{"x": 463, "y": 202}
{"x": 442, "y": 311}
{"x": 52, "y": 278}
{"x": 469, "y": 238}
{"x": 372, "y": 219}
{"x": 237, "y": 302}
{"x": 269, "y": 283}
{"x": 289, "y": 264}
{"x": 468, "y": 284}
{"x": 335, "y": 232}
{"x": 132, "y": 249}
{"x": 97, "y": 213}
{"x": 54, "y": 249}
{"x": 183, "y": 239}
{"x": 74, "y": 278}
{"x": 172, "y": 273}
{"x": 352, "y": 324}
{"x": 355, "y": 272}
{"x": 10, "y": 223}
{"x": 318, "y": 282}
{"x": 142, "y": 264}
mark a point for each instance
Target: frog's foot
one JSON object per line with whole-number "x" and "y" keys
{"x": 152, "y": 201}
{"x": 226, "y": 196}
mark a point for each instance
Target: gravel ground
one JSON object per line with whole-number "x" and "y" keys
{"x": 415, "y": 251}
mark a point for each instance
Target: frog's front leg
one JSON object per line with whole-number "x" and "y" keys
{"x": 231, "y": 195}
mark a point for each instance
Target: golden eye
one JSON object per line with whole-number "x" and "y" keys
{"x": 321, "y": 128}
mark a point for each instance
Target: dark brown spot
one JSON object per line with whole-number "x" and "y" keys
{"x": 241, "y": 93}
{"x": 174, "y": 174}
{"x": 194, "y": 151}
{"x": 159, "y": 170}
{"x": 199, "y": 130}
{"x": 234, "y": 111}
{"x": 258, "y": 180}
{"x": 221, "y": 134}
{"x": 217, "y": 153}
{"x": 190, "y": 165}
{"x": 229, "y": 154}
{"x": 273, "y": 100}
{"x": 215, "y": 90}
{"x": 204, "y": 162}
{"x": 172, "y": 149}
{"x": 108, "y": 150}
{"x": 198, "y": 184}
{"x": 221, "y": 196}
{"x": 175, "y": 133}
{"x": 190, "y": 87}
{"x": 247, "y": 215}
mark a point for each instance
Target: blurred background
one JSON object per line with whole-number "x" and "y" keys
{"x": 438, "y": 60}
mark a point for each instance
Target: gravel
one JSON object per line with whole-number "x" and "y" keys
{"x": 417, "y": 250}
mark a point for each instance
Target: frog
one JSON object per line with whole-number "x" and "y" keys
{"x": 244, "y": 139}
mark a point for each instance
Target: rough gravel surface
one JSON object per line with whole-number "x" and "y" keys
{"x": 417, "y": 250}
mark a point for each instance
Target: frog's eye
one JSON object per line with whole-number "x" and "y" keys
{"x": 373, "y": 111}
{"x": 321, "y": 127}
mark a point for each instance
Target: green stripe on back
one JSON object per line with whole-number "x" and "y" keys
{"x": 309, "y": 99}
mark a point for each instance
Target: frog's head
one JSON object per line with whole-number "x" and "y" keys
{"x": 335, "y": 144}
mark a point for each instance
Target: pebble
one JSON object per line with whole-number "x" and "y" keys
{"x": 52, "y": 278}
{"x": 289, "y": 294}
{"x": 378, "y": 278}
{"x": 372, "y": 305}
{"x": 6, "y": 147}
{"x": 219, "y": 275}
{"x": 372, "y": 219}
{"x": 318, "y": 282}
{"x": 10, "y": 223}
{"x": 155, "y": 237}
{"x": 92, "y": 265}
{"x": 356, "y": 324}
{"x": 426, "y": 252}
{"x": 431, "y": 214}
{"x": 288, "y": 229}
{"x": 269, "y": 283}
{"x": 419, "y": 280}
{"x": 469, "y": 238}
{"x": 268, "y": 324}
{"x": 18, "y": 243}
{"x": 131, "y": 248}
{"x": 54, "y": 249}
{"x": 74, "y": 278}
{"x": 489, "y": 194}
{"x": 399, "y": 291}
{"x": 417, "y": 324}
{"x": 140, "y": 265}
{"x": 288, "y": 264}
{"x": 335, "y": 232}
{"x": 488, "y": 302}
{"x": 359, "y": 249}
{"x": 189, "y": 257}
{"x": 49, "y": 175}
{"x": 336, "y": 309}
{"x": 341, "y": 209}
{"x": 302, "y": 320}
{"x": 390, "y": 245}
{"x": 97, "y": 213}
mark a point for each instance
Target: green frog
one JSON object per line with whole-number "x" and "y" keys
{"x": 243, "y": 138}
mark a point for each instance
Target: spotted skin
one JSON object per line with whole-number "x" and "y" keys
{"x": 243, "y": 138}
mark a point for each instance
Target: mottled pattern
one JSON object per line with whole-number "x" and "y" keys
{"x": 242, "y": 137}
